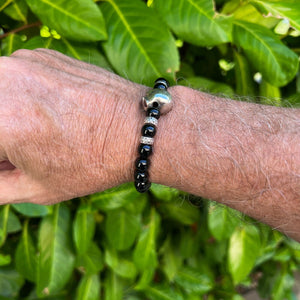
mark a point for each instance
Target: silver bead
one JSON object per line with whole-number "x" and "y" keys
{"x": 151, "y": 120}
{"x": 147, "y": 140}
{"x": 158, "y": 98}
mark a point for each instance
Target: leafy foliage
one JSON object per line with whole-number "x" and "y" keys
{"x": 164, "y": 244}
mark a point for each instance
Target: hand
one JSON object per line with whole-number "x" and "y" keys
{"x": 67, "y": 128}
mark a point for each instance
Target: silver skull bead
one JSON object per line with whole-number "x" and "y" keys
{"x": 159, "y": 99}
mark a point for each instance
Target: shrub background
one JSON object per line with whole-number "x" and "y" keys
{"x": 165, "y": 244}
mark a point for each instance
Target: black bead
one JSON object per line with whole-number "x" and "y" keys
{"x": 142, "y": 187}
{"x": 141, "y": 176}
{"x": 145, "y": 150}
{"x": 162, "y": 81}
{"x": 142, "y": 164}
{"x": 160, "y": 86}
{"x": 153, "y": 112}
{"x": 148, "y": 130}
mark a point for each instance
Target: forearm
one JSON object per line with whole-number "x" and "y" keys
{"x": 242, "y": 154}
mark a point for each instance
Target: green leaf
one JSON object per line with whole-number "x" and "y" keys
{"x": 276, "y": 62}
{"x": 193, "y": 281}
{"x": 89, "y": 288}
{"x": 164, "y": 193}
{"x": 11, "y": 43}
{"x": 26, "y": 256}
{"x": 5, "y": 260}
{"x": 171, "y": 260}
{"x": 83, "y": 229}
{"x": 113, "y": 287}
{"x": 222, "y": 221}
{"x": 32, "y": 210}
{"x": 288, "y": 9}
{"x": 244, "y": 247}
{"x": 90, "y": 262}
{"x": 243, "y": 76}
{"x": 195, "y": 21}
{"x": 122, "y": 267}
{"x": 283, "y": 283}
{"x": 121, "y": 228}
{"x": 17, "y": 10}
{"x": 269, "y": 93}
{"x": 10, "y": 282}
{"x": 162, "y": 292}
{"x": 56, "y": 260}
{"x": 139, "y": 46}
{"x": 4, "y": 214}
{"x": 181, "y": 211}
{"x": 145, "y": 255}
{"x": 208, "y": 85}
{"x": 116, "y": 197}
{"x": 79, "y": 20}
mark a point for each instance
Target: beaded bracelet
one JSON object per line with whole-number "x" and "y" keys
{"x": 157, "y": 101}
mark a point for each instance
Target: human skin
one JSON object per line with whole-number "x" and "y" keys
{"x": 69, "y": 129}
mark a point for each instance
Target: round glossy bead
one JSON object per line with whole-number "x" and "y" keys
{"x": 148, "y": 130}
{"x": 159, "y": 99}
{"x": 153, "y": 112}
{"x": 141, "y": 176}
{"x": 163, "y": 82}
{"x": 142, "y": 165}
{"x": 145, "y": 150}
{"x": 160, "y": 86}
{"x": 142, "y": 187}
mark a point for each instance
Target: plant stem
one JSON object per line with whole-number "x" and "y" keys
{"x": 2, "y": 36}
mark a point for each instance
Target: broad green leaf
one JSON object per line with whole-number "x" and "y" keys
{"x": 194, "y": 281}
{"x": 283, "y": 283}
{"x": 10, "y": 282}
{"x": 145, "y": 255}
{"x": 83, "y": 229}
{"x": 121, "y": 266}
{"x": 26, "y": 256}
{"x": 86, "y": 52}
{"x": 145, "y": 278}
{"x": 164, "y": 193}
{"x": 47, "y": 43}
{"x": 288, "y": 9}
{"x": 113, "y": 287}
{"x": 11, "y": 43}
{"x": 90, "y": 262}
{"x": 89, "y": 288}
{"x": 5, "y": 260}
{"x": 269, "y": 93}
{"x": 276, "y": 62}
{"x": 222, "y": 221}
{"x": 139, "y": 46}
{"x": 4, "y": 4}
{"x": 79, "y": 20}
{"x": 116, "y": 197}
{"x": 244, "y": 247}
{"x": 162, "y": 292}
{"x": 208, "y": 85}
{"x": 243, "y": 76}
{"x": 56, "y": 260}
{"x": 181, "y": 211}
{"x": 17, "y": 10}
{"x": 32, "y": 210}
{"x": 121, "y": 228}
{"x": 195, "y": 21}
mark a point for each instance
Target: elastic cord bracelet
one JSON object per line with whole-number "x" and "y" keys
{"x": 156, "y": 102}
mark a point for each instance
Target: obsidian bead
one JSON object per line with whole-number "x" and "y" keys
{"x": 142, "y": 187}
{"x": 148, "y": 130}
{"x": 163, "y": 82}
{"x": 142, "y": 164}
{"x": 141, "y": 176}
{"x": 159, "y": 86}
{"x": 153, "y": 112}
{"x": 145, "y": 150}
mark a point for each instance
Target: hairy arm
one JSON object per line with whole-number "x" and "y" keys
{"x": 69, "y": 129}
{"x": 244, "y": 155}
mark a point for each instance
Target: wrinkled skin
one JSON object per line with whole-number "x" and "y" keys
{"x": 66, "y": 127}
